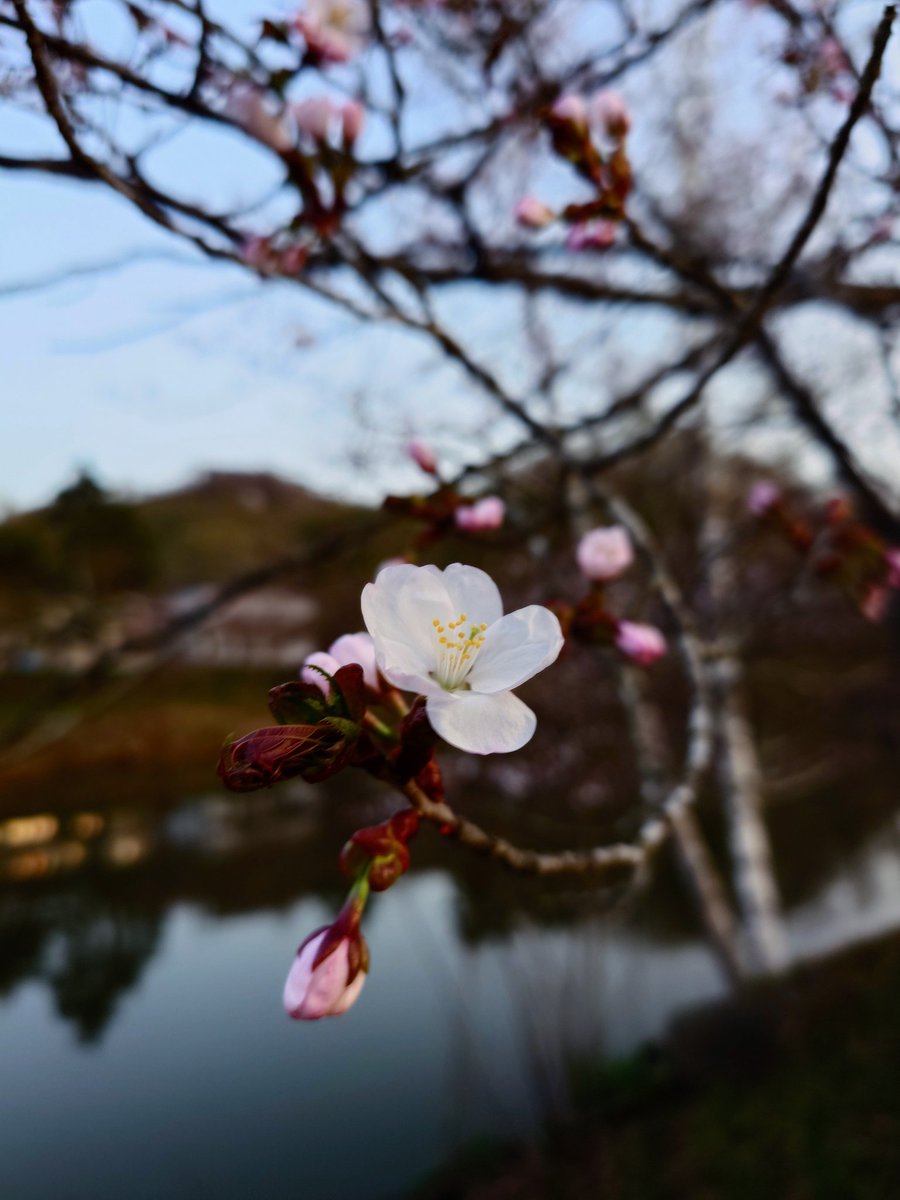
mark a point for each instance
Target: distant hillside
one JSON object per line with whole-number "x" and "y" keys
{"x": 92, "y": 570}
{"x": 91, "y": 541}
{"x": 227, "y": 522}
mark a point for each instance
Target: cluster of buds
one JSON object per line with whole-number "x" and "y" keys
{"x": 381, "y": 851}
{"x": 836, "y": 545}
{"x": 331, "y": 964}
{"x": 328, "y": 122}
{"x": 274, "y": 255}
{"x": 338, "y": 715}
{"x": 318, "y": 734}
{"x": 315, "y": 139}
{"x": 346, "y": 710}
{"x": 444, "y": 511}
{"x": 334, "y": 31}
{"x": 603, "y": 554}
{"x": 591, "y": 135}
{"x": 822, "y": 65}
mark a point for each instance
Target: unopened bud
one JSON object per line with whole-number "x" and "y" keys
{"x": 604, "y": 553}
{"x": 643, "y": 644}
{"x": 572, "y": 110}
{"x": 534, "y": 213}
{"x": 487, "y": 513}
{"x": 609, "y": 110}
{"x": 422, "y": 455}
{"x": 327, "y": 975}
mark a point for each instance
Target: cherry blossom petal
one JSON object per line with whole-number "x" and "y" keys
{"x": 349, "y": 995}
{"x": 323, "y": 991}
{"x": 481, "y": 724}
{"x": 399, "y": 608}
{"x": 402, "y": 666}
{"x": 515, "y": 648}
{"x": 356, "y": 648}
{"x": 474, "y": 593}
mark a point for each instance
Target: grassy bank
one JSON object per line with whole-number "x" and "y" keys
{"x": 151, "y": 741}
{"x": 792, "y": 1093}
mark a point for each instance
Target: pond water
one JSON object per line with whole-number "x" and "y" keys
{"x": 144, "y": 1052}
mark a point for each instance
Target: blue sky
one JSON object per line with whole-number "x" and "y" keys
{"x": 148, "y": 371}
{"x": 163, "y": 364}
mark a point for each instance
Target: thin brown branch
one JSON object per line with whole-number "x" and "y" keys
{"x": 671, "y": 810}
{"x": 807, "y": 412}
{"x": 749, "y": 323}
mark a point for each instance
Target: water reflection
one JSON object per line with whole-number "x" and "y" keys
{"x": 84, "y": 896}
{"x": 163, "y": 948}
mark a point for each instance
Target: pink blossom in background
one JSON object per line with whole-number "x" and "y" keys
{"x": 315, "y": 117}
{"x": 832, "y": 58}
{"x": 592, "y": 235}
{"x": 293, "y": 259}
{"x": 334, "y": 30}
{"x": 892, "y": 558}
{"x": 325, "y": 990}
{"x": 573, "y": 109}
{"x": 255, "y": 251}
{"x": 487, "y": 513}
{"x": 248, "y": 107}
{"x": 353, "y": 117}
{"x": 604, "y": 553}
{"x": 422, "y": 455}
{"x": 534, "y": 213}
{"x": 320, "y": 117}
{"x": 883, "y": 227}
{"x": 643, "y": 644}
{"x": 348, "y": 648}
{"x": 764, "y": 495}
{"x": 609, "y": 111}
{"x": 874, "y": 603}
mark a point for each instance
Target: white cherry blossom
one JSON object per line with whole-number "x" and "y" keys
{"x": 443, "y": 634}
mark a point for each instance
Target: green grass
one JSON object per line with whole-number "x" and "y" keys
{"x": 792, "y": 1093}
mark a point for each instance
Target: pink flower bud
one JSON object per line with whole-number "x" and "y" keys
{"x": 573, "y": 110}
{"x": 319, "y": 659}
{"x": 293, "y": 259}
{"x": 255, "y": 251}
{"x": 873, "y": 604}
{"x": 348, "y": 648}
{"x": 534, "y": 213}
{"x": 883, "y": 228}
{"x": 832, "y": 58}
{"x": 353, "y": 117}
{"x": 591, "y": 235}
{"x": 604, "y": 553}
{"x": 643, "y": 644}
{"x": 328, "y": 987}
{"x": 763, "y": 497}
{"x": 315, "y": 117}
{"x": 247, "y": 107}
{"x": 422, "y": 455}
{"x": 610, "y": 112}
{"x": 487, "y": 513}
{"x": 334, "y": 30}
{"x": 892, "y": 558}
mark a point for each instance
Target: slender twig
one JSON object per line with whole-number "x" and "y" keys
{"x": 748, "y": 324}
